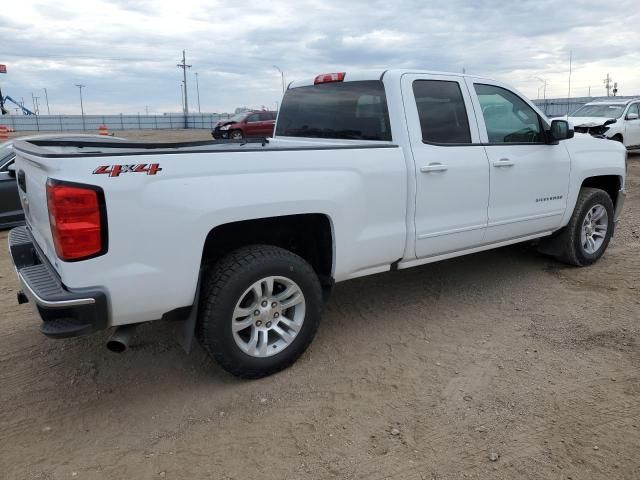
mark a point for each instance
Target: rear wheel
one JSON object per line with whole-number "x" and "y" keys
{"x": 585, "y": 239}
{"x": 260, "y": 310}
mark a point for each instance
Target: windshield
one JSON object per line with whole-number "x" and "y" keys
{"x": 238, "y": 117}
{"x": 339, "y": 110}
{"x": 604, "y": 110}
{"x": 6, "y": 151}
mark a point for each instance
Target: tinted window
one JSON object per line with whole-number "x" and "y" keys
{"x": 253, "y": 118}
{"x": 443, "y": 117}
{"x": 266, "y": 116}
{"x": 508, "y": 118}
{"x": 341, "y": 110}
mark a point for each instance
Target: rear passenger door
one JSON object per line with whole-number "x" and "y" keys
{"x": 451, "y": 167}
{"x": 267, "y": 120}
{"x": 529, "y": 176}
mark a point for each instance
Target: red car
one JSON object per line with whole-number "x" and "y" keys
{"x": 246, "y": 124}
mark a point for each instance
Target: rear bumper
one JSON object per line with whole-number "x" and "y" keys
{"x": 64, "y": 312}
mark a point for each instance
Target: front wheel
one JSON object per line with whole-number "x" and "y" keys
{"x": 586, "y": 237}
{"x": 260, "y": 310}
{"x": 236, "y": 135}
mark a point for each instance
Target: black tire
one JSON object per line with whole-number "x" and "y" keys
{"x": 571, "y": 250}
{"x": 238, "y": 135}
{"x": 223, "y": 287}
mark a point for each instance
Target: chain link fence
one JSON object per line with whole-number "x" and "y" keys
{"x": 63, "y": 123}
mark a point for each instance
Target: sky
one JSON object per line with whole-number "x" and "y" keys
{"x": 126, "y": 51}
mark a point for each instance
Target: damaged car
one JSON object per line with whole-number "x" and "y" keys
{"x": 613, "y": 119}
{"x": 256, "y": 124}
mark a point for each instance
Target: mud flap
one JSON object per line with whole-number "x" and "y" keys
{"x": 185, "y": 329}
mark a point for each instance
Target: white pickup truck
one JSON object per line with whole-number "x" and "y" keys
{"x": 238, "y": 242}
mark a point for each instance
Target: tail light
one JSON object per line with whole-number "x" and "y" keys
{"x": 77, "y": 215}
{"x": 329, "y": 77}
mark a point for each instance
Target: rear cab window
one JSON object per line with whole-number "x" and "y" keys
{"x": 338, "y": 110}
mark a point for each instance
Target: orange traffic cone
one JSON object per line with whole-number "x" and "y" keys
{"x": 4, "y": 132}
{"x": 103, "y": 130}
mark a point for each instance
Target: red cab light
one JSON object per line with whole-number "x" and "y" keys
{"x": 77, "y": 217}
{"x": 329, "y": 77}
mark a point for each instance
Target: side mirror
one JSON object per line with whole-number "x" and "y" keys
{"x": 11, "y": 170}
{"x": 632, "y": 116}
{"x": 561, "y": 130}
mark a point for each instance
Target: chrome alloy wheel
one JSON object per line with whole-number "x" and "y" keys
{"x": 268, "y": 316}
{"x": 594, "y": 229}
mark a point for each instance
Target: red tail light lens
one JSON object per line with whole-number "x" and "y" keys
{"x": 329, "y": 77}
{"x": 77, "y": 217}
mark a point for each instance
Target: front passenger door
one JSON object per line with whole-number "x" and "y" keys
{"x": 252, "y": 128}
{"x": 529, "y": 177}
{"x": 632, "y": 127}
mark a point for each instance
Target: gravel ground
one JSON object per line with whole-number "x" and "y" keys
{"x": 504, "y": 365}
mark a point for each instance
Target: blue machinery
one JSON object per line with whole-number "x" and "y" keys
{"x": 6, "y": 99}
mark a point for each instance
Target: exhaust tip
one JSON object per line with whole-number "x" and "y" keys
{"x": 116, "y": 346}
{"x": 119, "y": 341}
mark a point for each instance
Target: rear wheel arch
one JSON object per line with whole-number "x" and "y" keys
{"x": 309, "y": 235}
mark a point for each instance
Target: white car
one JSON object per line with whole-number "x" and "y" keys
{"x": 614, "y": 119}
{"x": 367, "y": 173}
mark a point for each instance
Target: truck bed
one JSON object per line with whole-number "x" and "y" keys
{"x": 53, "y": 148}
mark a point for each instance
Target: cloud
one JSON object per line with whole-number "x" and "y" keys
{"x": 126, "y": 51}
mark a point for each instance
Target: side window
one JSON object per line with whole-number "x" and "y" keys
{"x": 443, "y": 116}
{"x": 266, "y": 116}
{"x": 634, "y": 109}
{"x": 508, "y": 118}
{"x": 253, "y": 118}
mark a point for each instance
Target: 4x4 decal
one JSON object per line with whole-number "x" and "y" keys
{"x": 116, "y": 170}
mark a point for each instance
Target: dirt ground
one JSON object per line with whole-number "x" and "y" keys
{"x": 428, "y": 373}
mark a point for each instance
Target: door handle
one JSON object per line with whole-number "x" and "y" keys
{"x": 504, "y": 162}
{"x": 434, "y": 167}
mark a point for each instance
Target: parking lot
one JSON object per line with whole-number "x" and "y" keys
{"x": 504, "y": 364}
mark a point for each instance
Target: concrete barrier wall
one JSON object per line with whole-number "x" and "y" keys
{"x": 63, "y": 123}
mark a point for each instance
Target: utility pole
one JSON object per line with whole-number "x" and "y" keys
{"x": 615, "y": 88}
{"x": 281, "y": 76}
{"x": 47, "y": 99}
{"x": 182, "y": 95}
{"x": 198, "y": 90}
{"x": 84, "y": 127}
{"x": 544, "y": 87}
{"x": 184, "y": 67}
{"x": 569, "y": 92}
{"x": 81, "y": 103}
{"x": 607, "y": 85}
{"x": 34, "y": 99}
{"x": 146, "y": 109}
